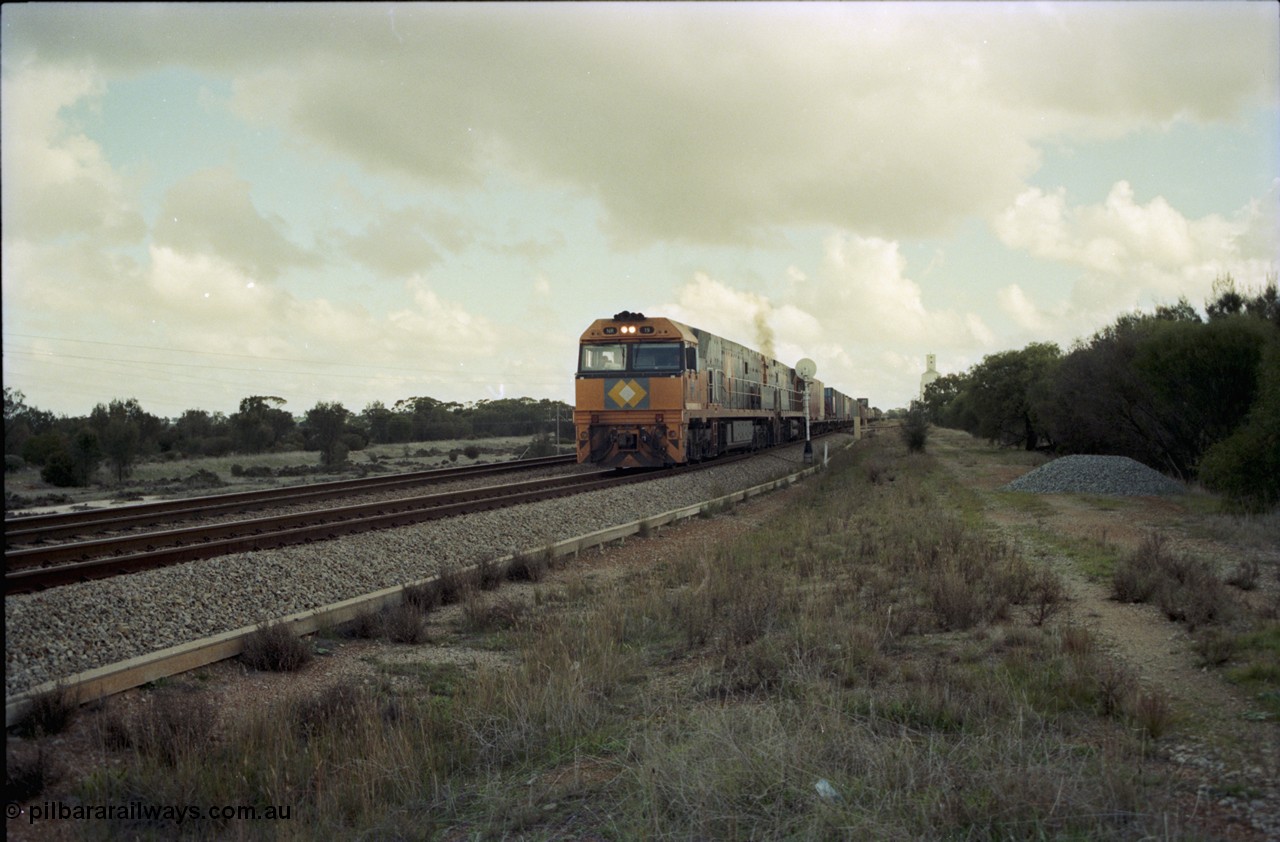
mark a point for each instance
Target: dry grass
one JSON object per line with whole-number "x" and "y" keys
{"x": 51, "y": 712}
{"x": 870, "y": 640}
{"x": 1185, "y": 588}
{"x": 27, "y": 771}
{"x": 274, "y": 647}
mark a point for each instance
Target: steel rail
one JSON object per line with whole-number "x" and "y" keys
{"x": 116, "y": 545}
{"x": 29, "y": 529}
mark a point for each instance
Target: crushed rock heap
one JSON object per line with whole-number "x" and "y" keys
{"x": 1116, "y": 475}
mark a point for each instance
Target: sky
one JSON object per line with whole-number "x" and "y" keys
{"x": 371, "y": 202}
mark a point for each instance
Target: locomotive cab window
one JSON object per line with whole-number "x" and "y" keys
{"x": 657, "y": 356}
{"x": 603, "y": 357}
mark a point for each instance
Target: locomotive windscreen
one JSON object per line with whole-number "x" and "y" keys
{"x": 603, "y": 357}
{"x": 656, "y": 356}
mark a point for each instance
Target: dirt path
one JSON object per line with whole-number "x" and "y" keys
{"x": 1223, "y": 747}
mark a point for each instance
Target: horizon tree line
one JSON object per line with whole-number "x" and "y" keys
{"x": 69, "y": 450}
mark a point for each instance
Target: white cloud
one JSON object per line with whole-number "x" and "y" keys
{"x": 863, "y": 291}
{"x": 714, "y": 122}
{"x": 56, "y": 180}
{"x": 859, "y": 310}
{"x": 212, "y": 212}
{"x": 396, "y": 242}
{"x": 1014, "y": 302}
{"x": 1131, "y": 252}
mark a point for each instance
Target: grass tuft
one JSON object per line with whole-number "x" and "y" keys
{"x": 1184, "y": 588}
{"x": 274, "y": 647}
{"x": 27, "y": 773}
{"x": 527, "y": 567}
{"x": 51, "y": 712}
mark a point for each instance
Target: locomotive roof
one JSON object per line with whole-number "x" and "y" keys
{"x": 662, "y": 328}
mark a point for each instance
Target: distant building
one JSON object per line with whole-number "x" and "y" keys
{"x": 930, "y": 372}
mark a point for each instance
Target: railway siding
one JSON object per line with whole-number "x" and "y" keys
{"x": 70, "y": 630}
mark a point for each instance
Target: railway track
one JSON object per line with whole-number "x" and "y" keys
{"x": 36, "y": 567}
{"x": 32, "y": 529}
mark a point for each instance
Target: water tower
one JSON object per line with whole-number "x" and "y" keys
{"x": 930, "y": 372}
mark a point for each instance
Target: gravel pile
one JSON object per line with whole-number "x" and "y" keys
{"x": 67, "y": 630}
{"x": 1116, "y": 475}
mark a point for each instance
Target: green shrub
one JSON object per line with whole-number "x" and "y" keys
{"x": 915, "y": 428}
{"x": 1245, "y": 466}
{"x": 60, "y": 470}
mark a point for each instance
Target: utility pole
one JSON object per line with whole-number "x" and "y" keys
{"x": 807, "y": 368}
{"x": 557, "y": 420}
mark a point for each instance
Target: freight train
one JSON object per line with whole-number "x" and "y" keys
{"x": 652, "y": 392}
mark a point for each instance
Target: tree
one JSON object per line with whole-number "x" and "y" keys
{"x": 122, "y": 427}
{"x": 1246, "y": 465}
{"x": 201, "y": 433}
{"x": 260, "y": 423}
{"x": 940, "y": 397}
{"x": 326, "y": 424}
{"x": 1261, "y": 304}
{"x": 1202, "y": 379}
{"x": 377, "y": 419}
{"x": 75, "y": 463}
{"x": 21, "y": 421}
{"x": 1000, "y": 393}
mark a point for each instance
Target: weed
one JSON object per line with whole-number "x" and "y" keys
{"x": 332, "y": 708}
{"x": 453, "y": 584}
{"x": 1185, "y": 589}
{"x": 177, "y": 724}
{"x": 480, "y": 616}
{"x": 1114, "y": 686}
{"x": 27, "y": 773}
{"x": 1152, "y": 713}
{"x": 1137, "y": 576}
{"x": 367, "y": 625}
{"x": 404, "y": 623}
{"x": 1077, "y": 642}
{"x": 1244, "y": 575}
{"x": 50, "y": 713}
{"x": 1047, "y": 596}
{"x": 489, "y": 575}
{"x": 1215, "y": 647}
{"x": 425, "y": 596}
{"x": 527, "y": 567}
{"x": 957, "y": 604}
{"x": 274, "y": 647}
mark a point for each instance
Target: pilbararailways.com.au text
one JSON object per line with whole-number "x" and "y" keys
{"x": 141, "y": 811}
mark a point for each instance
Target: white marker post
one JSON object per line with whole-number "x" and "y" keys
{"x": 807, "y": 368}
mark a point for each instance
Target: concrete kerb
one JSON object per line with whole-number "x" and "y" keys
{"x": 108, "y": 680}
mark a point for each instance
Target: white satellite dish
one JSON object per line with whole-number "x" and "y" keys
{"x": 806, "y": 368}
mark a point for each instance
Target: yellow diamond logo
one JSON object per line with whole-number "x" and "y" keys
{"x": 628, "y": 394}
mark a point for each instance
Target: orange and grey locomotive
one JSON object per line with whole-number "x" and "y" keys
{"x": 652, "y": 392}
